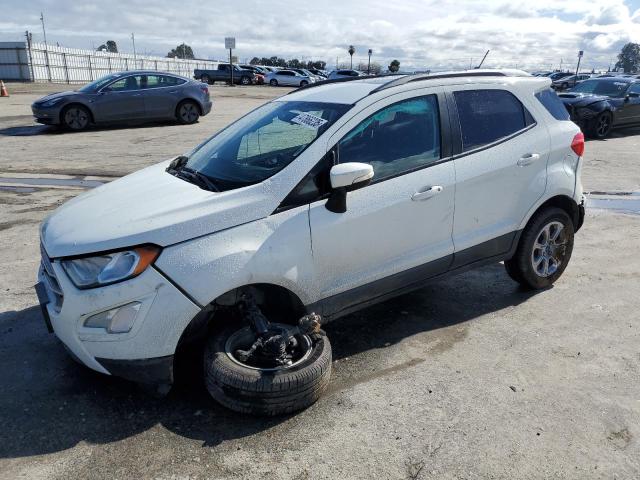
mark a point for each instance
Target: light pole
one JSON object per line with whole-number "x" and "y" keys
{"x": 133, "y": 40}
{"x": 46, "y": 47}
{"x": 351, "y": 51}
{"x": 369, "y": 64}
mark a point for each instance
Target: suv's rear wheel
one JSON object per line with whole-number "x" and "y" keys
{"x": 247, "y": 387}
{"x": 544, "y": 250}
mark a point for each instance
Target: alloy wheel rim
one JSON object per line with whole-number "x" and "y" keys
{"x": 76, "y": 118}
{"x": 549, "y": 249}
{"x": 188, "y": 112}
{"x": 603, "y": 125}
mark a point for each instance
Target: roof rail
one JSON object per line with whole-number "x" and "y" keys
{"x": 415, "y": 78}
{"x": 341, "y": 80}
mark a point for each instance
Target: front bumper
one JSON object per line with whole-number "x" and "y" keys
{"x": 144, "y": 353}
{"x": 46, "y": 116}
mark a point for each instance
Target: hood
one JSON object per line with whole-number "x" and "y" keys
{"x": 149, "y": 206}
{"x": 581, "y": 99}
{"x": 51, "y": 96}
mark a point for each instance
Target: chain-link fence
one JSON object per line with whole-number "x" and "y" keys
{"x": 38, "y": 62}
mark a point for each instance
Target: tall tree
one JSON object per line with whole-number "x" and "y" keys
{"x": 294, "y": 63}
{"x": 351, "y": 51}
{"x": 181, "y": 51}
{"x": 254, "y": 61}
{"x": 110, "y": 46}
{"x": 394, "y": 66}
{"x": 629, "y": 58}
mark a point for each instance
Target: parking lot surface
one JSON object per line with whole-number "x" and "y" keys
{"x": 469, "y": 377}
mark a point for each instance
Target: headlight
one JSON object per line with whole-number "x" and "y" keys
{"x": 108, "y": 268}
{"x": 52, "y": 102}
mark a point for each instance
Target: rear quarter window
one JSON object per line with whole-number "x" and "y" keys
{"x": 553, "y": 104}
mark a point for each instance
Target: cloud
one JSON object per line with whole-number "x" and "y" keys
{"x": 420, "y": 33}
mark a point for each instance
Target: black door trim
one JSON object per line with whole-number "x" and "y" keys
{"x": 486, "y": 253}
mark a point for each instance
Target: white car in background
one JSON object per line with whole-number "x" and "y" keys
{"x": 312, "y": 206}
{"x": 288, "y": 78}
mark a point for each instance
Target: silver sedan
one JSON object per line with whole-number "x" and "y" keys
{"x": 288, "y": 78}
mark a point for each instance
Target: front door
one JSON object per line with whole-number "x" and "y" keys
{"x": 397, "y": 230}
{"x": 501, "y": 171}
{"x": 121, "y": 100}
{"x": 629, "y": 111}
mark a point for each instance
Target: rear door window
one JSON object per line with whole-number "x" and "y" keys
{"x": 487, "y": 116}
{"x": 553, "y": 104}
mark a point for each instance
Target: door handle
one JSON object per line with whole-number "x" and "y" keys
{"x": 528, "y": 159}
{"x": 426, "y": 193}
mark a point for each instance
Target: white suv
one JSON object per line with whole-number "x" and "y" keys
{"x": 314, "y": 205}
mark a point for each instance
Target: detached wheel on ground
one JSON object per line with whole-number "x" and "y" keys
{"x": 75, "y": 117}
{"x": 246, "y": 384}
{"x": 601, "y": 125}
{"x": 544, "y": 249}
{"x": 187, "y": 112}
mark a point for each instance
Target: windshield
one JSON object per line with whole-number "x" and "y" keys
{"x": 99, "y": 83}
{"x": 601, "y": 87}
{"x": 263, "y": 142}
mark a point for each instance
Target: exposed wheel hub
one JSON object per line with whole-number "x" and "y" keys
{"x": 270, "y": 346}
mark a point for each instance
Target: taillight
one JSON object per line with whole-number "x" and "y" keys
{"x": 577, "y": 145}
{"x": 204, "y": 89}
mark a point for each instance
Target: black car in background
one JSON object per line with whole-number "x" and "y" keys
{"x": 599, "y": 105}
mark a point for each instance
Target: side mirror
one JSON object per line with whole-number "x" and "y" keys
{"x": 344, "y": 178}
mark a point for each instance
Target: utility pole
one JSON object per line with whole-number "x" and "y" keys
{"x": 46, "y": 47}
{"x": 561, "y": 64}
{"x": 369, "y": 64}
{"x": 580, "y": 53}
{"x": 133, "y": 40}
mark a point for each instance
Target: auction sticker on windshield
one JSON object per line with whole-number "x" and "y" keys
{"x": 308, "y": 120}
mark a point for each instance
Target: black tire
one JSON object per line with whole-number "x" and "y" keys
{"x": 265, "y": 393}
{"x": 245, "y": 80}
{"x": 304, "y": 83}
{"x": 600, "y": 127}
{"x": 187, "y": 112}
{"x": 537, "y": 268}
{"x": 75, "y": 117}
{"x": 273, "y": 83}
{"x": 205, "y": 79}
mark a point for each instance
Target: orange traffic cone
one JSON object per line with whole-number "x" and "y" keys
{"x": 3, "y": 90}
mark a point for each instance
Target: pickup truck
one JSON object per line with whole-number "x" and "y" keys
{"x": 223, "y": 74}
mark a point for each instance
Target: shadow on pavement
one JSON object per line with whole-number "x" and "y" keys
{"x": 50, "y": 403}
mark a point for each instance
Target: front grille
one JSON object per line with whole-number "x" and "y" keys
{"x": 52, "y": 281}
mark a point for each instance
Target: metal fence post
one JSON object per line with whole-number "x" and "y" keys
{"x": 90, "y": 69}
{"x": 156, "y": 63}
{"x": 109, "y": 60}
{"x": 126, "y": 64}
{"x": 66, "y": 68}
{"x": 30, "y": 56}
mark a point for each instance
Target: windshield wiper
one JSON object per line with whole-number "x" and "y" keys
{"x": 178, "y": 168}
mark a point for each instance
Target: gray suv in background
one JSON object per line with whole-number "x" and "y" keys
{"x": 124, "y": 97}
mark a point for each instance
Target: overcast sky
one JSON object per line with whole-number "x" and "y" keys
{"x": 420, "y": 33}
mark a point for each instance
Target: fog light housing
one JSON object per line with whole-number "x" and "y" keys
{"x": 116, "y": 320}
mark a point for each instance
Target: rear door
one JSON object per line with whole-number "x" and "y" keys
{"x": 161, "y": 94}
{"x": 501, "y": 169}
{"x": 397, "y": 230}
{"x": 120, "y": 100}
